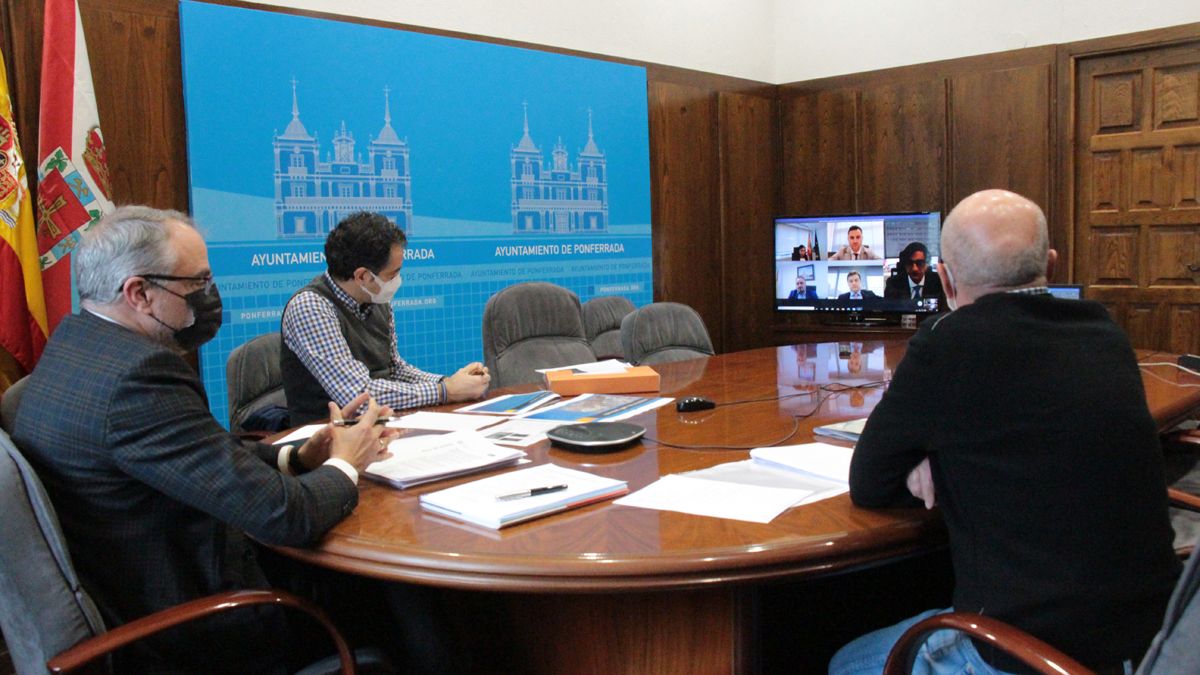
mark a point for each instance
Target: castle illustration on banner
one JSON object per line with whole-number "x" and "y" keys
{"x": 559, "y": 198}
{"x": 312, "y": 196}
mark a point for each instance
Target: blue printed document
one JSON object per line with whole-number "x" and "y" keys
{"x": 510, "y": 404}
{"x": 597, "y": 408}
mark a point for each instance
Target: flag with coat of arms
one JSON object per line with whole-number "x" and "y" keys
{"x": 73, "y": 187}
{"x": 22, "y": 305}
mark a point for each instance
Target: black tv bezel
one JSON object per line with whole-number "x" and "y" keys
{"x": 853, "y": 312}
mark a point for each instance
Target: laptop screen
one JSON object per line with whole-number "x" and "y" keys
{"x": 1069, "y": 291}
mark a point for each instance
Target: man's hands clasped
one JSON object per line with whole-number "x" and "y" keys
{"x": 360, "y": 445}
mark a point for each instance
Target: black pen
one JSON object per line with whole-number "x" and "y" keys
{"x": 352, "y": 422}
{"x": 531, "y": 492}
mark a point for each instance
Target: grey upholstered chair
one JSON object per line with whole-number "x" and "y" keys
{"x": 254, "y": 381}
{"x": 8, "y": 403}
{"x": 662, "y": 332}
{"x": 530, "y": 326}
{"x": 48, "y": 617}
{"x": 602, "y": 323}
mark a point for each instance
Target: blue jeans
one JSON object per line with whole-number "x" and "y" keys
{"x": 946, "y": 652}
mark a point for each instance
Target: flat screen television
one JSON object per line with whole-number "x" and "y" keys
{"x": 852, "y": 264}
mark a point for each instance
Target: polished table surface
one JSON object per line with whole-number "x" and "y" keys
{"x": 623, "y": 589}
{"x": 607, "y": 546}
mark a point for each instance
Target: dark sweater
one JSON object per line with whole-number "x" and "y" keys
{"x": 1047, "y": 468}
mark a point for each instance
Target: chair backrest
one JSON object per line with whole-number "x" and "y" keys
{"x": 530, "y": 326}
{"x": 253, "y": 378}
{"x": 43, "y": 608}
{"x": 602, "y": 324}
{"x": 9, "y": 401}
{"x": 664, "y": 331}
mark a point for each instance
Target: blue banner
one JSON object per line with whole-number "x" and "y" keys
{"x": 502, "y": 165}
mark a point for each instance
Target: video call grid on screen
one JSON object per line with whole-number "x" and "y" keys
{"x": 883, "y": 236}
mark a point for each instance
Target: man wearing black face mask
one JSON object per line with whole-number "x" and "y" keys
{"x": 152, "y": 493}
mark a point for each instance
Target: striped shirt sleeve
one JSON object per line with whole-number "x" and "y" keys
{"x": 311, "y": 330}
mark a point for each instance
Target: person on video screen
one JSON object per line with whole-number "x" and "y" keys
{"x": 802, "y": 291}
{"x": 916, "y": 281}
{"x": 854, "y": 249}
{"x": 801, "y": 253}
{"x": 856, "y": 290}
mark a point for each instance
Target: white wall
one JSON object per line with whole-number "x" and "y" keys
{"x": 730, "y": 37}
{"x": 777, "y": 41}
{"x": 815, "y": 39}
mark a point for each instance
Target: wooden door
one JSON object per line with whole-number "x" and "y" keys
{"x": 1137, "y": 190}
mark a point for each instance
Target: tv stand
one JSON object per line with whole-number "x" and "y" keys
{"x": 860, "y": 321}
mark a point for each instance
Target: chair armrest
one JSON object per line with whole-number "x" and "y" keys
{"x": 95, "y": 647}
{"x": 1036, "y": 654}
{"x": 1183, "y": 500}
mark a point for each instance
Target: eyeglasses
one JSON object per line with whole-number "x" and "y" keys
{"x": 202, "y": 282}
{"x": 917, "y": 263}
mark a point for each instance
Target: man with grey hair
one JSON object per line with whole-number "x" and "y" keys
{"x": 151, "y": 491}
{"x": 1040, "y": 452}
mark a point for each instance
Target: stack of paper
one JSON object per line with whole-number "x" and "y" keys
{"x": 755, "y": 490}
{"x": 822, "y": 460}
{"x": 423, "y": 459}
{"x": 481, "y": 502}
{"x": 846, "y": 431}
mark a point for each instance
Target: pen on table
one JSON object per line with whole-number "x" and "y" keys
{"x": 352, "y": 422}
{"x": 531, "y": 492}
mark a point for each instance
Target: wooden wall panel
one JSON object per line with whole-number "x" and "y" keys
{"x": 686, "y": 212}
{"x": 1000, "y": 133}
{"x": 902, "y": 147}
{"x": 819, "y": 149}
{"x": 748, "y": 136}
{"x": 1184, "y": 322}
{"x": 140, "y": 87}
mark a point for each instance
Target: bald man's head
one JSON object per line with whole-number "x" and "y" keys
{"x": 996, "y": 240}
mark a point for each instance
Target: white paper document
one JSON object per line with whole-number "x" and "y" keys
{"x": 608, "y": 366}
{"x": 822, "y": 460}
{"x": 439, "y": 421}
{"x": 497, "y": 501}
{"x": 520, "y": 433}
{"x": 752, "y": 472}
{"x": 303, "y": 432}
{"x": 421, "y": 459}
{"x": 719, "y": 499}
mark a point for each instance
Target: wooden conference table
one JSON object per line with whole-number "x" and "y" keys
{"x": 611, "y": 589}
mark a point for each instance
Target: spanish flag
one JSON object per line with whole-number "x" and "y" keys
{"x": 22, "y": 305}
{"x": 73, "y": 189}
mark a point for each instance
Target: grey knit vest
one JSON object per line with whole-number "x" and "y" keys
{"x": 370, "y": 342}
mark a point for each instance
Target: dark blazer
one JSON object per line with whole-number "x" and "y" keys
{"x": 810, "y": 293}
{"x": 896, "y": 288}
{"x": 147, "y": 484}
{"x": 1047, "y": 469}
{"x": 866, "y": 295}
